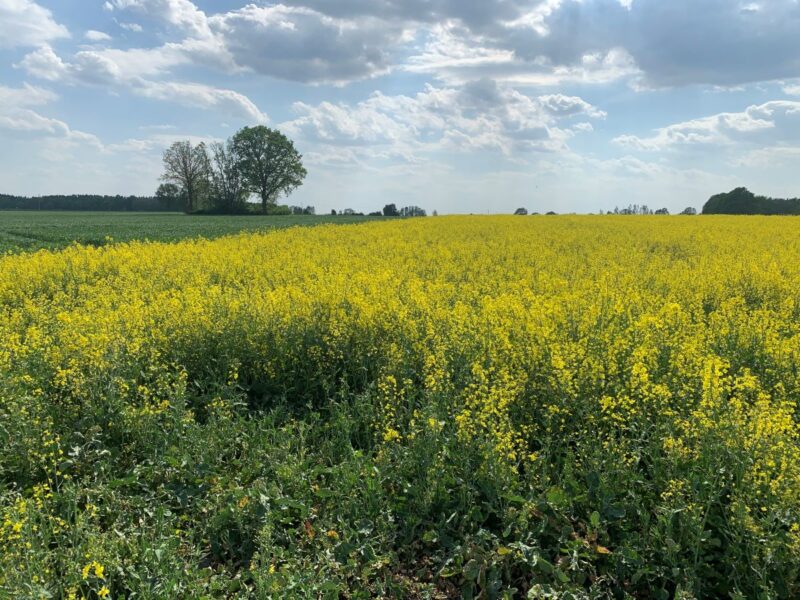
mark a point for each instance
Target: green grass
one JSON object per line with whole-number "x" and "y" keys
{"x": 27, "y": 231}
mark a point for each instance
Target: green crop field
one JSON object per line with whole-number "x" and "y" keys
{"x": 29, "y": 231}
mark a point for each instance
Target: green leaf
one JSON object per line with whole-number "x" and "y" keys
{"x": 594, "y": 520}
{"x": 557, "y": 497}
{"x": 471, "y": 570}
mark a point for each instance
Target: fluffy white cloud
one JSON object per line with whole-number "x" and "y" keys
{"x": 26, "y": 23}
{"x": 769, "y": 121}
{"x": 288, "y": 42}
{"x": 478, "y": 115}
{"x": 181, "y": 13}
{"x": 792, "y": 89}
{"x": 133, "y": 70}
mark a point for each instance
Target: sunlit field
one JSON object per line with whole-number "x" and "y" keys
{"x": 494, "y": 407}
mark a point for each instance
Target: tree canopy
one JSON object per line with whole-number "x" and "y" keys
{"x": 188, "y": 167}
{"x": 269, "y": 163}
{"x": 742, "y": 201}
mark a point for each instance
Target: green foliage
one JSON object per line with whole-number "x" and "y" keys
{"x": 278, "y": 210}
{"x": 742, "y": 201}
{"x": 269, "y": 163}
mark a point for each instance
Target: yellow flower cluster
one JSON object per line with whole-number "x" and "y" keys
{"x": 507, "y": 331}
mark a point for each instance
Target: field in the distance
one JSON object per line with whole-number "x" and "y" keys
{"x": 33, "y": 230}
{"x": 481, "y": 407}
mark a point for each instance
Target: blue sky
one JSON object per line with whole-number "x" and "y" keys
{"x": 453, "y": 105}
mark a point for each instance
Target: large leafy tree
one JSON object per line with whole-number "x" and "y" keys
{"x": 188, "y": 167}
{"x": 269, "y": 162}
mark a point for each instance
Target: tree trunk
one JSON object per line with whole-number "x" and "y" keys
{"x": 189, "y": 198}
{"x": 264, "y": 202}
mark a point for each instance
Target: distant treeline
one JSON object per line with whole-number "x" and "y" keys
{"x": 742, "y": 201}
{"x": 85, "y": 202}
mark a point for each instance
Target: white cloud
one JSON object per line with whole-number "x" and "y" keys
{"x": 26, "y": 23}
{"x": 27, "y": 95}
{"x": 288, "y": 42}
{"x": 181, "y": 13}
{"x": 134, "y": 27}
{"x": 724, "y": 128}
{"x": 769, "y": 157}
{"x": 567, "y": 106}
{"x": 479, "y": 115}
{"x": 44, "y": 64}
{"x": 202, "y": 96}
{"x": 449, "y": 48}
{"x": 17, "y": 116}
{"x": 454, "y": 55}
{"x": 133, "y": 70}
{"x": 96, "y": 36}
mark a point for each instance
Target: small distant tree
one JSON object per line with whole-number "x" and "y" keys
{"x": 662, "y": 211}
{"x": 390, "y": 210}
{"x": 269, "y": 162}
{"x": 521, "y": 212}
{"x": 436, "y": 213}
{"x": 333, "y": 212}
{"x": 349, "y": 212}
{"x": 188, "y": 167}
{"x": 229, "y": 190}
{"x": 689, "y": 210}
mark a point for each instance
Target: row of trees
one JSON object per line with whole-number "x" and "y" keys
{"x": 223, "y": 176}
{"x": 390, "y": 210}
{"x": 632, "y": 209}
{"x": 83, "y": 202}
{"x": 643, "y": 209}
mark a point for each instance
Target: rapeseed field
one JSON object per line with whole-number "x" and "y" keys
{"x": 493, "y": 407}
